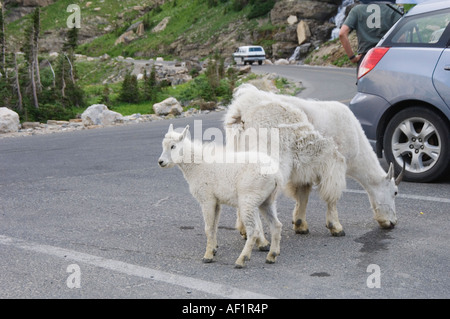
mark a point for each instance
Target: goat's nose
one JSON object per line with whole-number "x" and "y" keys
{"x": 160, "y": 162}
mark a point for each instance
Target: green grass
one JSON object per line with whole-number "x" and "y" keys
{"x": 191, "y": 20}
{"x": 128, "y": 108}
{"x": 54, "y": 16}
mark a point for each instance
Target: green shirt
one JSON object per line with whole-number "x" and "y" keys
{"x": 371, "y": 22}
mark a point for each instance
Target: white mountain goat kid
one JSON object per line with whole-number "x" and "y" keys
{"x": 245, "y": 182}
{"x": 333, "y": 120}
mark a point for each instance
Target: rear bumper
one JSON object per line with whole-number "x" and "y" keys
{"x": 250, "y": 58}
{"x": 369, "y": 110}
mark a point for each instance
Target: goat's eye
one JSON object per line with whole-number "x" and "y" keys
{"x": 172, "y": 147}
{"x": 395, "y": 193}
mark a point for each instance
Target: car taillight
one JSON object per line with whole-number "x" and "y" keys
{"x": 370, "y": 60}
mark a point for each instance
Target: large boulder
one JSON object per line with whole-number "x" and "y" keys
{"x": 162, "y": 25}
{"x": 303, "y": 32}
{"x": 9, "y": 121}
{"x": 308, "y": 9}
{"x": 99, "y": 114}
{"x": 168, "y": 106}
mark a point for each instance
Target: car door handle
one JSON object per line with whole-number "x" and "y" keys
{"x": 447, "y": 68}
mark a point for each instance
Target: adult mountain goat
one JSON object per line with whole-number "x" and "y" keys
{"x": 244, "y": 180}
{"x": 333, "y": 120}
{"x": 306, "y": 158}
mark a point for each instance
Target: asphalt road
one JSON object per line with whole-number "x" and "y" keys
{"x": 322, "y": 83}
{"x": 89, "y": 214}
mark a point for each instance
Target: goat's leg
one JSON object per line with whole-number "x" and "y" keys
{"x": 332, "y": 221}
{"x": 299, "y": 214}
{"x": 262, "y": 243}
{"x": 251, "y": 226}
{"x": 240, "y": 225}
{"x": 211, "y": 214}
{"x": 269, "y": 210}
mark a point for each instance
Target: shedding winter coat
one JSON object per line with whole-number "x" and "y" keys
{"x": 332, "y": 120}
{"x": 306, "y": 157}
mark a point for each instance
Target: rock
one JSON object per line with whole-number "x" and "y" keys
{"x": 292, "y": 20}
{"x": 161, "y": 26}
{"x": 32, "y": 125}
{"x": 307, "y": 9}
{"x": 168, "y": 106}
{"x": 245, "y": 69}
{"x": 105, "y": 57}
{"x": 9, "y": 121}
{"x": 266, "y": 84}
{"x": 203, "y": 105}
{"x": 126, "y": 37}
{"x": 283, "y": 49}
{"x": 134, "y": 26}
{"x": 303, "y": 32}
{"x": 317, "y": 13}
{"x": 34, "y": 3}
{"x": 99, "y": 114}
{"x": 281, "y": 62}
{"x": 140, "y": 30}
{"x": 55, "y": 122}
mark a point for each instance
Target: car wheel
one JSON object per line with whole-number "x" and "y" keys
{"x": 260, "y": 62}
{"x": 420, "y": 138}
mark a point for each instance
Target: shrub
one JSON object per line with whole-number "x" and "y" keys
{"x": 50, "y": 112}
{"x": 130, "y": 90}
{"x": 260, "y": 8}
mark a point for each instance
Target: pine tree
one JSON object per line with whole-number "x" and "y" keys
{"x": 36, "y": 35}
{"x": 130, "y": 91}
{"x": 69, "y": 93}
{"x": 2, "y": 42}
{"x": 72, "y": 41}
{"x": 30, "y": 49}
{"x": 151, "y": 86}
{"x": 17, "y": 83}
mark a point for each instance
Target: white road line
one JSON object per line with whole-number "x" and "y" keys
{"x": 220, "y": 290}
{"x": 417, "y": 197}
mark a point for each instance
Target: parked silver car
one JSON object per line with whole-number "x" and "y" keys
{"x": 403, "y": 99}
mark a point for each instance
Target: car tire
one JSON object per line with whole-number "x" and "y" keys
{"x": 420, "y": 137}
{"x": 260, "y": 62}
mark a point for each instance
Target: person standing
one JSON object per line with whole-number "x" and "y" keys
{"x": 371, "y": 20}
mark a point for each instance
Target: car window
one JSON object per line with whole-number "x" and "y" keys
{"x": 255, "y": 49}
{"x": 423, "y": 30}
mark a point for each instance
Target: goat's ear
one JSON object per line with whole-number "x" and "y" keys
{"x": 170, "y": 128}
{"x": 184, "y": 133}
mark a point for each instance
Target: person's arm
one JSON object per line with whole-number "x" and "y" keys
{"x": 343, "y": 37}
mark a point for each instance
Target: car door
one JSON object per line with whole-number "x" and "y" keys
{"x": 441, "y": 76}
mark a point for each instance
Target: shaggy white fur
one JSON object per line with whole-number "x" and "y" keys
{"x": 333, "y": 121}
{"x": 306, "y": 157}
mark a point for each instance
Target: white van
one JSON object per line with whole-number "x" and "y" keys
{"x": 249, "y": 54}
